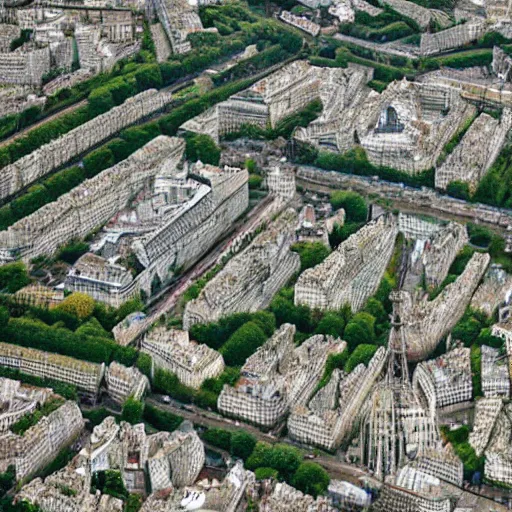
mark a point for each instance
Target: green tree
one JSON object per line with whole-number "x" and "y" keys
{"x": 255, "y": 181}
{"x": 133, "y": 503}
{"x": 144, "y": 364}
{"x": 218, "y": 437}
{"x": 242, "y": 344}
{"x": 132, "y": 410}
{"x": 98, "y": 161}
{"x": 13, "y": 277}
{"x": 353, "y": 204}
{"x": 476, "y": 370}
{"x": 362, "y": 354}
{"x": 332, "y": 324}
{"x": 266, "y": 473}
{"x": 100, "y": 101}
{"x": 202, "y": 147}
{"x": 458, "y": 189}
{"x": 311, "y": 478}
{"x": 242, "y": 444}
{"x": 4, "y": 317}
{"x": 311, "y": 253}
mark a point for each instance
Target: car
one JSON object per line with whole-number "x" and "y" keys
{"x": 166, "y": 399}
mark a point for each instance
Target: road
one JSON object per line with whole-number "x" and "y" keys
{"x": 336, "y": 469}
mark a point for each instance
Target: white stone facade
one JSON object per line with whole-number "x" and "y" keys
{"x": 250, "y": 280}
{"x": 58, "y": 152}
{"x": 123, "y": 382}
{"x": 191, "y": 362}
{"x": 352, "y": 273}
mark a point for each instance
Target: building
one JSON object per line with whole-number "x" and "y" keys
{"x": 85, "y": 376}
{"x": 172, "y": 350}
{"x": 446, "y": 380}
{"x": 249, "y": 281}
{"x": 277, "y": 377}
{"x": 123, "y": 382}
{"x": 352, "y": 273}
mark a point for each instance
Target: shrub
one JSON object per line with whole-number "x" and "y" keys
{"x": 243, "y": 343}
{"x": 311, "y": 478}
{"x": 362, "y": 354}
{"x": 78, "y": 304}
{"x": 132, "y": 410}
{"x": 160, "y": 419}
{"x": 353, "y": 204}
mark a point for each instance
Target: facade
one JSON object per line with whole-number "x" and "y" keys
{"x": 250, "y": 280}
{"x": 42, "y": 442}
{"x": 58, "y": 152}
{"x": 123, "y": 382}
{"x": 277, "y": 377}
{"x": 352, "y": 273}
{"x": 191, "y": 362}
{"x": 85, "y": 376}
{"x": 446, "y": 380}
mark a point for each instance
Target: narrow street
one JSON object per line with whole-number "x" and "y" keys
{"x": 336, "y": 469}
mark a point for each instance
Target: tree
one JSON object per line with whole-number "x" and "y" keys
{"x": 286, "y": 459}
{"x": 242, "y": 344}
{"x": 13, "y": 277}
{"x": 355, "y": 334}
{"x": 476, "y": 369}
{"x": 458, "y": 189}
{"x": 4, "y": 317}
{"x": 132, "y": 410}
{"x": 266, "y": 320}
{"x": 202, "y": 147}
{"x": 255, "y": 181}
{"x": 161, "y": 420}
{"x": 133, "y": 503}
{"x": 242, "y": 444}
{"x": 100, "y": 101}
{"x": 331, "y": 324}
{"x": 362, "y": 354}
{"x": 353, "y": 204}
{"x": 376, "y": 309}
{"x": 311, "y": 478}
{"x": 144, "y": 364}
{"x": 78, "y": 304}
{"x": 311, "y": 253}
{"x": 218, "y": 437}
{"x": 98, "y": 161}
{"x": 266, "y": 474}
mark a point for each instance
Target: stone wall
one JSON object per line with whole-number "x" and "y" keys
{"x": 87, "y": 206}
{"x": 41, "y": 443}
{"x": 250, "y": 280}
{"x": 427, "y": 321}
{"x": 441, "y": 250}
{"x": 476, "y": 152}
{"x": 352, "y": 273}
{"x": 455, "y": 37}
{"x": 82, "y": 374}
{"x": 24, "y": 68}
{"x": 62, "y": 150}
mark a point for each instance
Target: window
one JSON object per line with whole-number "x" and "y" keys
{"x": 389, "y": 122}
